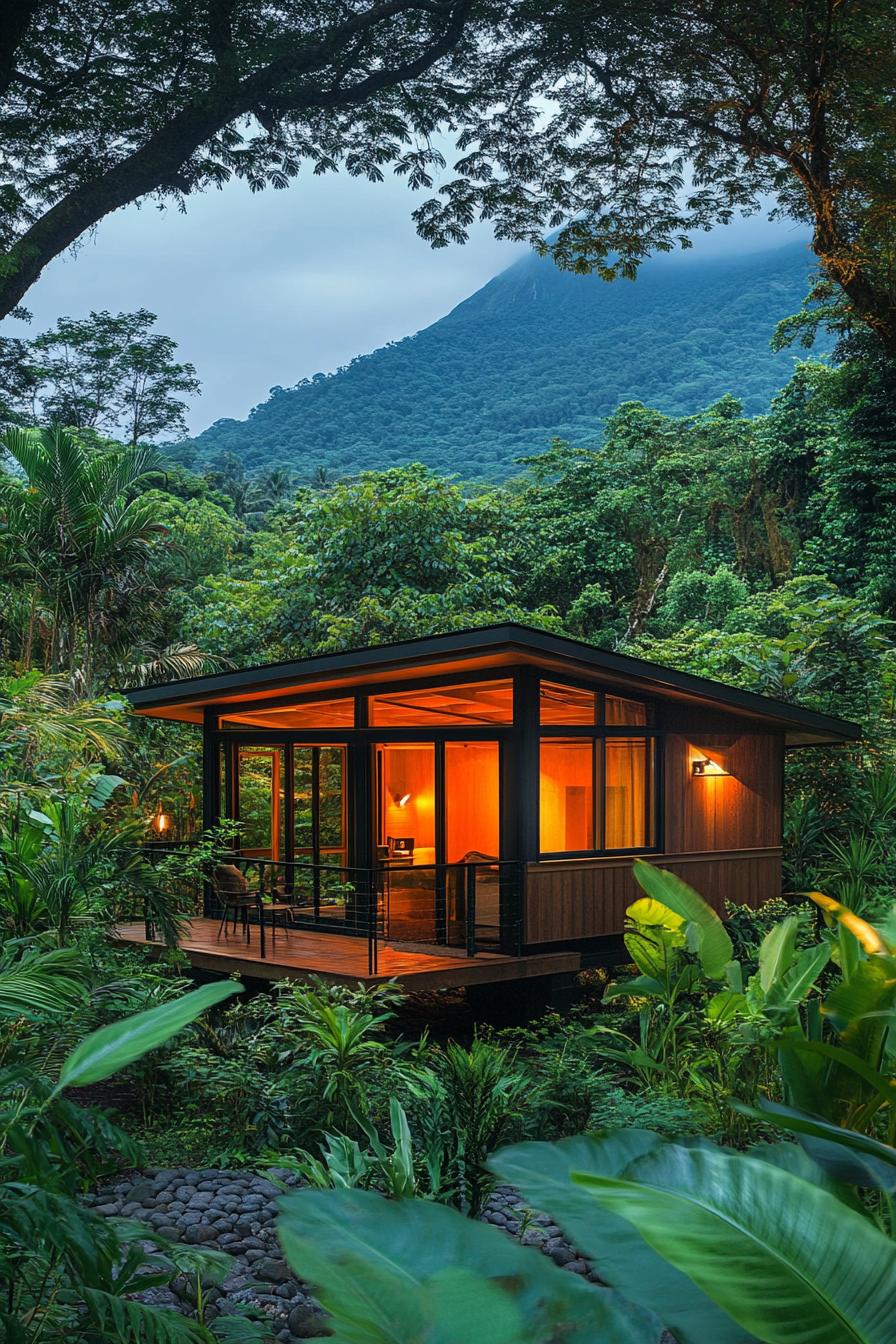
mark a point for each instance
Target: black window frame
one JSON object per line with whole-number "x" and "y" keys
{"x": 599, "y": 733}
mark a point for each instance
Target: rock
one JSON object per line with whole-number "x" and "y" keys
{"x": 142, "y": 1191}
{"x": 561, "y": 1255}
{"x": 272, "y": 1269}
{"x": 300, "y": 1318}
{"x": 200, "y": 1234}
{"x": 577, "y": 1266}
{"x": 168, "y": 1231}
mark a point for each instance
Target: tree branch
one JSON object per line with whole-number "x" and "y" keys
{"x": 161, "y": 158}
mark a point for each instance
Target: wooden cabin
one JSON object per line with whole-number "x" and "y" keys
{"x": 483, "y": 793}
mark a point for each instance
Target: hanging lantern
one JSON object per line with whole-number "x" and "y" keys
{"x": 161, "y": 822}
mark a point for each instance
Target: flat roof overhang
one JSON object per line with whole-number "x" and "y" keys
{"x": 469, "y": 651}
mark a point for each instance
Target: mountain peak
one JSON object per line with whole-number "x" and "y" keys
{"x": 536, "y": 353}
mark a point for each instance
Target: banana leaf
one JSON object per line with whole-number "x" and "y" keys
{"x": 782, "y": 1257}
{"x": 543, "y": 1172}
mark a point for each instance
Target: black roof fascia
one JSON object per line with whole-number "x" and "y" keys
{"x": 497, "y": 638}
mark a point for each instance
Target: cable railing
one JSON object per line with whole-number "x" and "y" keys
{"x": 465, "y": 908}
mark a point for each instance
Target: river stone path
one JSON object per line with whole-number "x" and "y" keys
{"x": 235, "y": 1211}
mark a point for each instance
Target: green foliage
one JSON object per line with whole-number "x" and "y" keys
{"x": 388, "y": 556}
{"x": 413, "y": 1271}
{"x": 765, "y": 1247}
{"x": 67, "y": 1273}
{"x": 109, "y": 374}
{"x": 731, "y": 1222}
{"x": 114, "y": 1047}
{"x": 77, "y": 541}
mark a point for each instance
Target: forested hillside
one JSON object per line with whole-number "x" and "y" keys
{"x": 537, "y": 353}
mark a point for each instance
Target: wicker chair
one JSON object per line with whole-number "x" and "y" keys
{"x": 235, "y": 895}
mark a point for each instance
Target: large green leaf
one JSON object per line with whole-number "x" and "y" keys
{"x": 543, "y": 1172}
{"x": 116, "y": 1046}
{"x": 785, "y": 1259}
{"x": 716, "y": 948}
{"x": 776, "y": 952}
{"x": 789, "y": 990}
{"x": 412, "y": 1272}
{"x": 845, "y": 1154}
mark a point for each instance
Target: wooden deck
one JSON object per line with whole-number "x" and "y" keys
{"x": 342, "y": 959}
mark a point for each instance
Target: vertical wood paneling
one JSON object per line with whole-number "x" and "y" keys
{"x": 740, "y": 810}
{"x": 566, "y": 901}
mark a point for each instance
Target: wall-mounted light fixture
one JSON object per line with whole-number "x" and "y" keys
{"x": 703, "y": 767}
{"x": 401, "y": 799}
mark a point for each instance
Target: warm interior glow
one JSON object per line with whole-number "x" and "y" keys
{"x": 478, "y": 702}
{"x": 565, "y": 705}
{"x": 566, "y": 795}
{"x": 472, "y": 794}
{"x": 629, "y": 772}
{"x": 312, "y": 714}
{"x": 618, "y": 710}
{"x": 408, "y": 770}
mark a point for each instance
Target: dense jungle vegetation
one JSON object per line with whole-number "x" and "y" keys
{"x": 535, "y": 352}
{"x": 754, "y": 549}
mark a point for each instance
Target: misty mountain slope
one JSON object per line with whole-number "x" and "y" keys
{"x": 536, "y": 353}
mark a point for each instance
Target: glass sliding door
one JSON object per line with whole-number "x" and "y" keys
{"x": 405, "y": 837}
{"x": 320, "y": 830}
{"x": 438, "y": 809}
{"x": 260, "y": 801}
{"x": 319, "y": 780}
{"x": 472, "y": 796}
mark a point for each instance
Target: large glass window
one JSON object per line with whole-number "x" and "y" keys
{"x": 597, "y": 794}
{"x": 619, "y": 710}
{"x": 478, "y": 702}
{"x": 628, "y": 792}
{"x": 260, "y": 800}
{"x": 319, "y": 800}
{"x": 566, "y": 810}
{"x": 312, "y": 714}
{"x": 472, "y": 801}
{"x": 566, "y": 705}
{"x": 406, "y": 801}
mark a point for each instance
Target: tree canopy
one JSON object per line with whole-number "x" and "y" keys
{"x": 105, "y": 372}
{"x": 625, "y": 123}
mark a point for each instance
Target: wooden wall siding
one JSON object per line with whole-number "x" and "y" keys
{"x": 574, "y": 899}
{"x": 740, "y": 810}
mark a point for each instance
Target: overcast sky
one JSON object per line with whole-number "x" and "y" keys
{"x": 267, "y": 289}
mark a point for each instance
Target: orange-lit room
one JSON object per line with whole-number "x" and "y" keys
{"x": 492, "y": 786}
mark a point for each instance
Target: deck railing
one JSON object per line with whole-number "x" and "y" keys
{"x": 472, "y": 906}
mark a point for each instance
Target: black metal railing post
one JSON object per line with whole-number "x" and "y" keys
{"x": 373, "y": 912}
{"x": 470, "y": 907}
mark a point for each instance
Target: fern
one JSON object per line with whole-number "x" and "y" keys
{"x": 126, "y": 1321}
